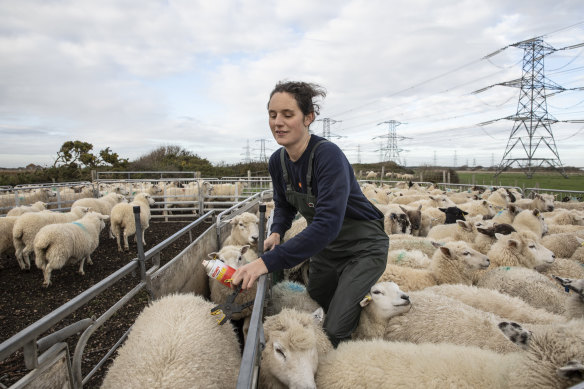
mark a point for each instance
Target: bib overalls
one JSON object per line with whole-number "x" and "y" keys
{"x": 344, "y": 271}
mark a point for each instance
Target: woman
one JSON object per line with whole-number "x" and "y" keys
{"x": 344, "y": 239}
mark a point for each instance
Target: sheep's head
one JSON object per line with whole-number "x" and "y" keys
{"x": 461, "y": 254}
{"x": 414, "y": 216}
{"x": 386, "y": 300}
{"x": 524, "y": 250}
{"x": 294, "y": 343}
{"x": 246, "y": 226}
{"x": 453, "y": 214}
{"x": 231, "y": 255}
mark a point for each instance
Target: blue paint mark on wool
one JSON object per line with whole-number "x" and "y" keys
{"x": 293, "y": 286}
{"x": 80, "y": 225}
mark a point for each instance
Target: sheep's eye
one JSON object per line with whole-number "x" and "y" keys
{"x": 376, "y": 292}
{"x": 280, "y": 352}
{"x": 466, "y": 253}
{"x": 531, "y": 246}
{"x": 241, "y": 224}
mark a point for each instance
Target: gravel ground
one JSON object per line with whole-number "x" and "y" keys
{"x": 23, "y": 300}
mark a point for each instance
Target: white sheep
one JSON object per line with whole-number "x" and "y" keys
{"x": 123, "y": 222}
{"x": 530, "y": 221}
{"x": 574, "y": 303}
{"x": 36, "y": 207}
{"x": 234, "y": 256}
{"x": 502, "y": 305}
{"x": 244, "y": 230}
{"x": 227, "y": 191}
{"x": 6, "y": 227}
{"x": 563, "y": 267}
{"x": 410, "y": 258}
{"x": 507, "y": 214}
{"x": 422, "y": 317}
{"x": 527, "y": 284}
{"x": 561, "y": 228}
{"x": 519, "y": 249}
{"x": 291, "y": 295}
{"x": 176, "y": 344}
{"x": 486, "y": 236}
{"x": 295, "y": 342}
{"x": 28, "y": 224}
{"x": 465, "y": 230}
{"x": 371, "y": 175}
{"x": 407, "y": 242}
{"x": 56, "y": 245}
{"x": 541, "y": 202}
{"x": 564, "y": 217}
{"x": 453, "y": 263}
{"x": 551, "y": 357}
{"x": 103, "y": 204}
{"x": 478, "y": 207}
{"x": 499, "y": 198}
{"x": 578, "y": 255}
{"x": 563, "y": 245}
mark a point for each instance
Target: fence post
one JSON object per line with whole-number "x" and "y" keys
{"x": 140, "y": 245}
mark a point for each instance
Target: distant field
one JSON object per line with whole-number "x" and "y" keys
{"x": 540, "y": 180}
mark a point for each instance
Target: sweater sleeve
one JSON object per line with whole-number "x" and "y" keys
{"x": 284, "y": 212}
{"x": 332, "y": 179}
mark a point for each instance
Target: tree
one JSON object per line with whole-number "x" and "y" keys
{"x": 72, "y": 152}
{"x": 113, "y": 159}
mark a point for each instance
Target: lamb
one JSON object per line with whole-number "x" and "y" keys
{"x": 422, "y": 317}
{"x": 517, "y": 249}
{"x": 6, "y": 227}
{"x": 541, "y": 202}
{"x": 530, "y": 221}
{"x": 36, "y": 207}
{"x": 56, "y": 245}
{"x": 478, "y": 207}
{"x": 410, "y": 258}
{"x": 550, "y": 358}
{"x": 507, "y": 214}
{"x": 103, "y": 204}
{"x": 295, "y": 342}
{"x": 461, "y": 230}
{"x": 234, "y": 256}
{"x": 175, "y": 343}
{"x": 500, "y": 304}
{"x": 244, "y": 230}
{"x": 486, "y": 236}
{"x": 27, "y": 226}
{"x": 122, "y": 219}
{"x": 291, "y": 295}
{"x": 453, "y": 263}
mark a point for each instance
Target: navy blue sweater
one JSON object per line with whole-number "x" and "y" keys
{"x": 337, "y": 193}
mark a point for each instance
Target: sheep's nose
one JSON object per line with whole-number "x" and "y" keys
{"x": 554, "y": 256}
{"x": 405, "y": 297}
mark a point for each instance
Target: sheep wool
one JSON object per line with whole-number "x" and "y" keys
{"x": 103, "y": 204}
{"x": 176, "y": 344}
{"x": 36, "y": 207}
{"x": 244, "y": 230}
{"x": 123, "y": 222}
{"x": 6, "y": 227}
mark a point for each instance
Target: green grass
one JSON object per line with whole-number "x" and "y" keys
{"x": 539, "y": 180}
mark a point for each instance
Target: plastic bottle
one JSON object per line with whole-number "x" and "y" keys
{"x": 219, "y": 270}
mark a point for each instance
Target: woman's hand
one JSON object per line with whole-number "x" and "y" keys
{"x": 271, "y": 241}
{"x": 248, "y": 274}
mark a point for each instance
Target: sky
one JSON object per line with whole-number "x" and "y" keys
{"x": 136, "y": 75}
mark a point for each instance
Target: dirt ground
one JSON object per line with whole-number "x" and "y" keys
{"x": 23, "y": 300}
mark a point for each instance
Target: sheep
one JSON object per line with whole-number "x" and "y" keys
{"x": 527, "y": 284}
{"x": 575, "y": 303}
{"x": 541, "y": 202}
{"x": 434, "y": 201}
{"x": 244, "y": 230}
{"x": 499, "y": 198}
{"x": 410, "y": 258}
{"x": 478, "y": 207}
{"x": 28, "y": 224}
{"x": 294, "y": 344}
{"x": 36, "y": 207}
{"x": 578, "y": 255}
{"x": 564, "y": 217}
{"x": 453, "y": 263}
{"x": 405, "y": 242}
{"x": 550, "y": 357}
{"x": 486, "y": 236}
{"x": 291, "y": 295}
{"x": 371, "y": 175}
{"x": 563, "y": 267}
{"x": 175, "y": 343}
{"x": 461, "y": 230}
{"x": 559, "y": 229}
{"x": 396, "y": 222}
{"x": 122, "y": 219}
{"x": 6, "y": 227}
{"x": 517, "y": 249}
{"x": 415, "y": 218}
{"x": 507, "y": 214}
{"x": 452, "y": 214}
{"x": 227, "y": 191}
{"x": 192, "y": 193}
{"x": 500, "y": 304}
{"x": 234, "y": 256}
{"x": 56, "y": 245}
{"x": 301, "y": 270}
{"x": 423, "y": 316}
{"x": 530, "y": 221}
{"x": 103, "y": 204}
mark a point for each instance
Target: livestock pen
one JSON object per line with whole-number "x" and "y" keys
{"x": 53, "y": 353}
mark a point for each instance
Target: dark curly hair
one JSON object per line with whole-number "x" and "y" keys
{"x": 303, "y": 92}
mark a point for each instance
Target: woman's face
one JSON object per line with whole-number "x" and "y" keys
{"x": 288, "y": 124}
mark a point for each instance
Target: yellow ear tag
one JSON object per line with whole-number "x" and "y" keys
{"x": 368, "y": 297}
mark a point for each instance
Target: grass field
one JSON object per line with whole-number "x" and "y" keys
{"x": 539, "y": 180}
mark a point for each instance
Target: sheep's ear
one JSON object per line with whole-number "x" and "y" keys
{"x": 443, "y": 209}
{"x": 213, "y": 255}
{"x": 536, "y": 212}
{"x": 485, "y": 231}
{"x": 403, "y": 209}
{"x": 366, "y": 300}
{"x": 420, "y": 207}
{"x": 104, "y": 217}
{"x": 318, "y": 316}
{"x": 244, "y": 249}
{"x": 463, "y": 212}
{"x": 573, "y": 370}
{"x": 499, "y": 236}
{"x": 463, "y": 224}
{"x": 515, "y": 333}
{"x": 579, "y": 240}
{"x": 436, "y": 244}
{"x": 432, "y": 197}
{"x": 485, "y": 202}
{"x": 513, "y": 243}
{"x": 446, "y": 251}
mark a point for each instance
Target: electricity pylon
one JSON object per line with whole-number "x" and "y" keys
{"x": 532, "y": 131}
{"x": 391, "y": 148}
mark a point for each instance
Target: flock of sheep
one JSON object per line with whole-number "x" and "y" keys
{"x": 60, "y": 238}
{"x": 482, "y": 289}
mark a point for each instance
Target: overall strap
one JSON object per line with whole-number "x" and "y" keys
{"x": 284, "y": 170}
{"x": 310, "y": 167}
